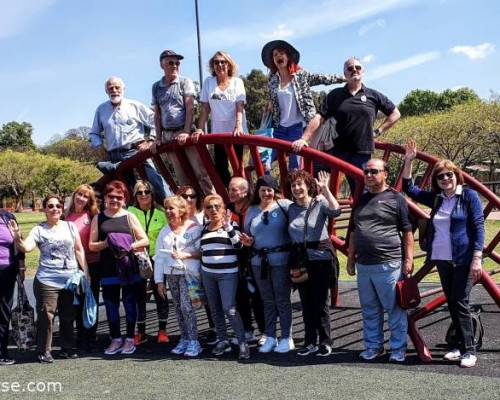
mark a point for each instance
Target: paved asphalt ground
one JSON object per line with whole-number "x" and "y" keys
{"x": 152, "y": 373}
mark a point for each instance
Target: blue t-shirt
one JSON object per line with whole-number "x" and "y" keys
{"x": 269, "y": 230}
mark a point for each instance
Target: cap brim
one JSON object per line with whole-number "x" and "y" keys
{"x": 267, "y": 52}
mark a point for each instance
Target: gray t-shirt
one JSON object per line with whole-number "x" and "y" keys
{"x": 57, "y": 252}
{"x": 269, "y": 229}
{"x": 377, "y": 223}
{"x": 317, "y": 225}
{"x": 170, "y": 99}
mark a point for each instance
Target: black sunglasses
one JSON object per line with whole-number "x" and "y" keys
{"x": 51, "y": 206}
{"x": 444, "y": 175}
{"x": 220, "y": 62}
{"x": 351, "y": 68}
{"x": 172, "y": 63}
{"x": 189, "y": 196}
{"x": 372, "y": 171}
{"x": 143, "y": 193}
{"x": 265, "y": 217}
{"x": 215, "y": 207}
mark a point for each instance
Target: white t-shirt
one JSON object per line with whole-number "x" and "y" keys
{"x": 289, "y": 110}
{"x": 223, "y": 103}
{"x": 187, "y": 240}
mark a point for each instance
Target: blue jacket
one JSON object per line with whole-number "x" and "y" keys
{"x": 466, "y": 225}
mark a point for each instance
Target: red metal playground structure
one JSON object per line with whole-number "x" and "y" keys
{"x": 339, "y": 229}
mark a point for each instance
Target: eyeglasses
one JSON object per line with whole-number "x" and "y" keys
{"x": 189, "y": 196}
{"x": 351, "y": 68}
{"x": 265, "y": 217}
{"x": 444, "y": 175}
{"x": 172, "y": 63}
{"x": 117, "y": 198}
{"x": 143, "y": 193}
{"x": 372, "y": 171}
{"x": 52, "y": 206}
{"x": 215, "y": 207}
{"x": 220, "y": 62}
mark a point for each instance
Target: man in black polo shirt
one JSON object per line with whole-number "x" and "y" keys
{"x": 355, "y": 108}
{"x": 381, "y": 249}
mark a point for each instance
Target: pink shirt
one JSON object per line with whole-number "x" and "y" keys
{"x": 82, "y": 222}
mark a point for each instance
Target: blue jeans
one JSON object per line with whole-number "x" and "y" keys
{"x": 377, "y": 292}
{"x": 221, "y": 294}
{"x": 275, "y": 292}
{"x": 116, "y": 157}
{"x": 289, "y": 133}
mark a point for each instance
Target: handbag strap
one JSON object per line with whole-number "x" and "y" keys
{"x": 306, "y": 219}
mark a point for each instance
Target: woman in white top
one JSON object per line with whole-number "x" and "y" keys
{"x": 223, "y": 97}
{"x": 178, "y": 254}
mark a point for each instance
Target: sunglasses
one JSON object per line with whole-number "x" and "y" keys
{"x": 143, "y": 193}
{"x": 117, "y": 198}
{"x": 172, "y": 63}
{"x": 372, "y": 171}
{"x": 265, "y": 217}
{"x": 189, "y": 196}
{"x": 52, "y": 206}
{"x": 351, "y": 68}
{"x": 444, "y": 175}
{"x": 215, "y": 207}
{"x": 220, "y": 62}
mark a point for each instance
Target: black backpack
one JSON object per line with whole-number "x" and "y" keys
{"x": 451, "y": 333}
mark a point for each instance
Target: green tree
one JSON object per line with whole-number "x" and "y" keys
{"x": 257, "y": 97}
{"x": 73, "y": 148}
{"x": 15, "y": 135}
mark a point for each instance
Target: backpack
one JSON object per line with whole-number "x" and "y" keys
{"x": 451, "y": 334}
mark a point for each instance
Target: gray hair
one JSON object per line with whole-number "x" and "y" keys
{"x": 353, "y": 58}
{"x": 113, "y": 78}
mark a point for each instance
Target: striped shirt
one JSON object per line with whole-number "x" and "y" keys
{"x": 219, "y": 249}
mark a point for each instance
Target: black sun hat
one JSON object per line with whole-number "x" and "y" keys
{"x": 170, "y": 53}
{"x": 267, "y": 52}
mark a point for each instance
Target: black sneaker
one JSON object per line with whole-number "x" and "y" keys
{"x": 306, "y": 350}
{"x": 211, "y": 338}
{"x": 5, "y": 360}
{"x": 45, "y": 358}
{"x": 324, "y": 350}
{"x": 68, "y": 354}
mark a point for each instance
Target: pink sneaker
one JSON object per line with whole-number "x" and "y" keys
{"x": 128, "y": 347}
{"x": 115, "y": 347}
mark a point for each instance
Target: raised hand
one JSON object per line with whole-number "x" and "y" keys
{"x": 323, "y": 180}
{"x": 227, "y": 219}
{"x": 410, "y": 150}
{"x": 14, "y": 228}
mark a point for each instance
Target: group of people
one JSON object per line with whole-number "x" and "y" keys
{"x": 242, "y": 259}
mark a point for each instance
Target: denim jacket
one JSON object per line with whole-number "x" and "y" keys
{"x": 302, "y": 82}
{"x": 466, "y": 225}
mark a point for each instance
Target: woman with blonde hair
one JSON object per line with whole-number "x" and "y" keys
{"x": 82, "y": 208}
{"x": 223, "y": 97}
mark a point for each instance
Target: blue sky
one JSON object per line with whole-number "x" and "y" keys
{"x": 57, "y": 54}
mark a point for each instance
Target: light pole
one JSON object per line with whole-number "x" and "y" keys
{"x": 200, "y": 69}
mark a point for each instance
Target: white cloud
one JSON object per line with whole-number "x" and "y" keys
{"x": 392, "y": 68}
{"x": 475, "y": 52}
{"x": 323, "y": 17}
{"x": 368, "y": 58}
{"x": 379, "y": 23}
{"x": 15, "y": 16}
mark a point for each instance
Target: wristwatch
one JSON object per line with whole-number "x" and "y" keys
{"x": 376, "y": 132}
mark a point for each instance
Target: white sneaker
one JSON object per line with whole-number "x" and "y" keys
{"x": 468, "y": 360}
{"x": 128, "y": 346}
{"x": 453, "y": 355}
{"x": 262, "y": 340}
{"x": 285, "y": 345}
{"x": 268, "y": 345}
{"x": 115, "y": 347}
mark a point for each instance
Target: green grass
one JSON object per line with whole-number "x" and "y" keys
{"x": 28, "y": 220}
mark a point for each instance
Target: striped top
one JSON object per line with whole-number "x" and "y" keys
{"x": 219, "y": 249}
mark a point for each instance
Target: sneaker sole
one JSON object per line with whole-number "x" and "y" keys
{"x": 219, "y": 353}
{"x": 324, "y": 355}
{"x": 112, "y": 353}
{"x": 129, "y": 351}
{"x": 307, "y": 354}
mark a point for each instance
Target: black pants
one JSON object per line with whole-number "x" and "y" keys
{"x": 457, "y": 284}
{"x": 7, "y": 283}
{"x": 161, "y": 307}
{"x": 84, "y": 335}
{"x": 246, "y": 302}
{"x": 314, "y": 299}
{"x": 221, "y": 161}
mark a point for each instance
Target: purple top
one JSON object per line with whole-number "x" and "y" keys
{"x": 6, "y": 243}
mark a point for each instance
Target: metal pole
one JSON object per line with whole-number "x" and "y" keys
{"x": 200, "y": 69}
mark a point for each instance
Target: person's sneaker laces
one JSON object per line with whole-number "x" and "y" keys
{"x": 222, "y": 347}
{"x": 181, "y": 347}
{"x": 452, "y": 355}
{"x": 193, "y": 349}
{"x": 140, "y": 338}
{"x": 128, "y": 346}
{"x": 244, "y": 352}
{"x": 306, "y": 350}
{"x": 398, "y": 356}
{"x": 268, "y": 345}
{"x": 262, "y": 339}
{"x": 115, "y": 347}
{"x": 285, "y": 345}
{"x": 468, "y": 360}
{"x": 162, "y": 337}
{"x": 371, "y": 354}
{"x": 324, "y": 350}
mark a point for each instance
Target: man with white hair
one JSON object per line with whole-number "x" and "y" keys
{"x": 124, "y": 127}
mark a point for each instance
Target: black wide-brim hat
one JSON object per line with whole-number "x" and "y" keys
{"x": 269, "y": 181}
{"x": 267, "y": 52}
